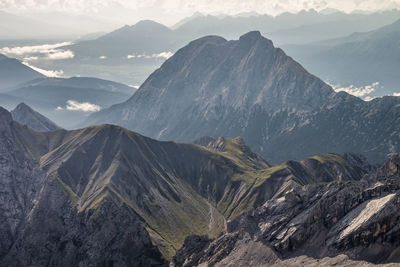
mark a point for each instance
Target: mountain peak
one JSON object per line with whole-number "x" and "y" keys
{"x": 24, "y": 114}
{"x": 212, "y": 39}
{"x": 22, "y": 106}
{"x": 149, "y": 24}
{"x": 211, "y": 79}
{"x": 253, "y": 35}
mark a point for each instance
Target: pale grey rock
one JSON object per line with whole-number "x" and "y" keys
{"x": 341, "y": 223}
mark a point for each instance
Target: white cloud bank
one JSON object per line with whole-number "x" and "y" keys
{"x": 80, "y": 106}
{"x": 41, "y": 49}
{"x": 357, "y": 91}
{"x": 362, "y": 91}
{"x": 165, "y": 55}
{"x": 60, "y": 55}
{"x": 48, "y": 73}
{"x": 396, "y": 94}
{"x": 46, "y": 51}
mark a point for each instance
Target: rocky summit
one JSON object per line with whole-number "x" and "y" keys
{"x": 27, "y": 116}
{"x": 249, "y": 88}
{"x": 104, "y": 195}
{"x": 345, "y": 223}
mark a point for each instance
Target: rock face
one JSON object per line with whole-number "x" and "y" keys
{"x": 249, "y": 88}
{"x": 20, "y": 182}
{"x": 106, "y": 196}
{"x": 27, "y": 116}
{"x": 357, "y": 218}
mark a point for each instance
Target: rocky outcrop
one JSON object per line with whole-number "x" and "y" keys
{"x": 357, "y": 218}
{"x": 57, "y": 234}
{"x": 20, "y": 182}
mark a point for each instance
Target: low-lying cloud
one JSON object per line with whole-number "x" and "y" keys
{"x": 61, "y": 55}
{"x": 358, "y": 91}
{"x": 362, "y": 91}
{"x": 40, "y": 49}
{"x": 48, "y": 73}
{"x": 165, "y": 55}
{"x": 46, "y": 51}
{"x": 396, "y": 94}
{"x": 80, "y": 106}
{"x": 33, "y": 58}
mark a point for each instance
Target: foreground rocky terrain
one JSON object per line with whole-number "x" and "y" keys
{"x": 103, "y": 195}
{"x": 345, "y": 223}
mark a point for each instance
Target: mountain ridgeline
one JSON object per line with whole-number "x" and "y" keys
{"x": 13, "y": 73}
{"x": 104, "y": 195}
{"x": 51, "y": 96}
{"x": 342, "y": 223}
{"x": 249, "y": 88}
{"x": 27, "y": 116}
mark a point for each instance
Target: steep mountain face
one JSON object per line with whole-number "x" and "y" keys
{"x": 348, "y": 221}
{"x": 211, "y": 79}
{"x": 27, "y": 116}
{"x": 105, "y": 195}
{"x": 249, "y": 88}
{"x": 20, "y": 182}
{"x": 40, "y": 225}
{"x": 13, "y": 72}
{"x": 369, "y": 57}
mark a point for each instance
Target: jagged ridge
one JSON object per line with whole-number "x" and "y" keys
{"x": 164, "y": 190}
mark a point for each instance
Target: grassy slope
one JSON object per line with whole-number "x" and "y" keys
{"x": 177, "y": 189}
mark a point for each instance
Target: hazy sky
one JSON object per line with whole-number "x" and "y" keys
{"x": 170, "y": 11}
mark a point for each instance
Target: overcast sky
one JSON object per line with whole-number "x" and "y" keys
{"x": 170, "y": 11}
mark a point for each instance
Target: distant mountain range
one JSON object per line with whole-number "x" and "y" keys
{"x": 359, "y": 59}
{"x": 105, "y": 195}
{"x": 287, "y": 28}
{"x": 50, "y": 96}
{"x": 149, "y": 37}
{"x": 249, "y": 88}
{"x": 129, "y": 54}
{"x": 13, "y": 73}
